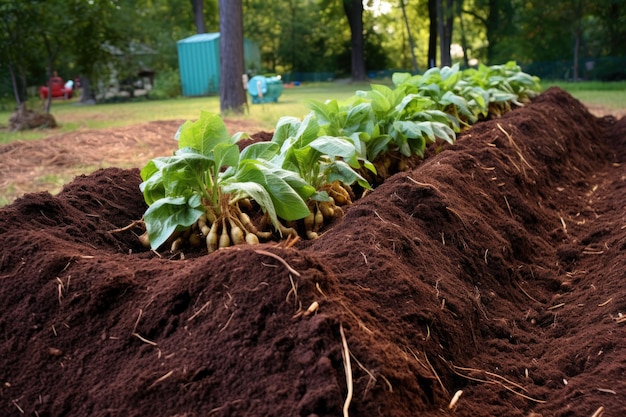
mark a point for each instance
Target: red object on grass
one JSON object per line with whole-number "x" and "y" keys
{"x": 58, "y": 88}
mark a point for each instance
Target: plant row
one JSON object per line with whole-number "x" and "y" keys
{"x": 211, "y": 192}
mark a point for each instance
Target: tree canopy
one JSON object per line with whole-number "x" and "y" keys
{"x": 350, "y": 38}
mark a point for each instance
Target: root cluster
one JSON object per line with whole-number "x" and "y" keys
{"x": 234, "y": 226}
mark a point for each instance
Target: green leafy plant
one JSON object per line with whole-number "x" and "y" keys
{"x": 449, "y": 93}
{"x": 305, "y": 174}
{"x": 386, "y": 125}
{"x": 328, "y": 163}
{"x": 203, "y": 182}
{"x": 409, "y": 120}
{"x": 505, "y": 85}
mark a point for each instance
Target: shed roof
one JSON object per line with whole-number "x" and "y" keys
{"x": 201, "y": 37}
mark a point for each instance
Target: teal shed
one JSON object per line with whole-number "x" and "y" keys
{"x": 199, "y": 62}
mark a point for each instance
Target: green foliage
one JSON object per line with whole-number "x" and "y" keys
{"x": 404, "y": 121}
{"x": 307, "y": 158}
{"x": 192, "y": 182}
{"x": 319, "y": 159}
{"x": 166, "y": 85}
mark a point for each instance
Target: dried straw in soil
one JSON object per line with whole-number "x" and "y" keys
{"x": 25, "y": 164}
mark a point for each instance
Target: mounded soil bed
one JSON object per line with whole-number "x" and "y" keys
{"x": 496, "y": 267}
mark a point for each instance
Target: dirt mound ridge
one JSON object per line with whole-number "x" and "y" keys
{"x": 495, "y": 267}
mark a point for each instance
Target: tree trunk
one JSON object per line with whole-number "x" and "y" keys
{"x": 432, "y": 38}
{"x": 464, "y": 44}
{"x": 492, "y": 27}
{"x": 449, "y": 26}
{"x": 445, "y": 18}
{"x": 292, "y": 9}
{"x": 232, "y": 93}
{"x": 354, "y": 13}
{"x": 198, "y": 15}
{"x": 52, "y": 53}
{"x": 408, "y": 31}
{"x": 498, "y": 25}
{"x": 87, "y": 95}
{"x": 440, "y": 32}
{"x": 577, "y": 36}
{"x": 48, "y": 102}
{"x": 16, "y": 92}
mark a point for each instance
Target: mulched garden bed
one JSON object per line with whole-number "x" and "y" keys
{"x": 496, "y": 267}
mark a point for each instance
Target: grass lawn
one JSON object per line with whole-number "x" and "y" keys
{"x": 72, "y": 116}
{"x": 594, "y": 93}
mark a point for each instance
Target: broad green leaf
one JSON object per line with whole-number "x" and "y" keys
{"x": 307, "y": 162}
{"x": 320, "y": 196}
{"x": 239, "y": 136}
{"x": 400, "y": 78}
{"x": 443, "y": 132}
{"x": 149, "y": 169}
{"x": 226, "y": 154}
{"x": 380, "y": 103}
{"x": 308, "y": 130}
{"x": 259, "y": 150}
{"x": 415, "y": 129}
{"x": 413, "y": 103}
{"x": 356, "y": 117}
{"x": 325, "y": 112}
{"x": 186, "y": 172}
{"x": 340, "y": 171}
{"x": 287, "y": 202}
{"x": 286, "y": 127}
{"x": 301, "y": 186}
{"x": 335, "y": 147}
{"x": 432, "y": 73}
{"x": 377, "y": 145}
{"x": 257, "y": 192}
{"x": 499, "y": 96}
{"x": 164, "y": 216}
{"x": 285, "y": 158}
{"x": 461, "y": 104}
{"x": 152, "y": 187}
{"x": 204, "y": 134}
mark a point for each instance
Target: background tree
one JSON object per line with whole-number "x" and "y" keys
{"x": 432, "y": 33}
{"x": 409, "y": 35}
{"x": 99, "y": 29}
{"x": 556, "y": 38}
{"x": 498, "y": 19}
{"x": 354, "y": 13}
{"x": 198, "y": 15}
{"x": 562, "y": 41}
{"x": 232, "y": 93}
{"x": 14, "y": 38}
{"x": 262, "y": 24}
{"x": 445, "y": 22}
{"x": 611, "y": 16}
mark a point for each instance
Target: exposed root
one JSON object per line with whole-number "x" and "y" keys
{"x": 455, "y": 399}
{"x": 279, "y": 259}
{"x": 322, "y": 213}
{"x": 491, "y": 378}
{"x": 136, "y": 223}
{"x": 345, "y": 352}
{"x": 432, "y": 369}
{"x": 161, "y": 379}
{"x": 517, "y": 149}
{"x": 232, "y": 226}
{"x": 341, "y": 193}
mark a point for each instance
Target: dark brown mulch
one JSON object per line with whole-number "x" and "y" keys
{"x": 495, "y": 267}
